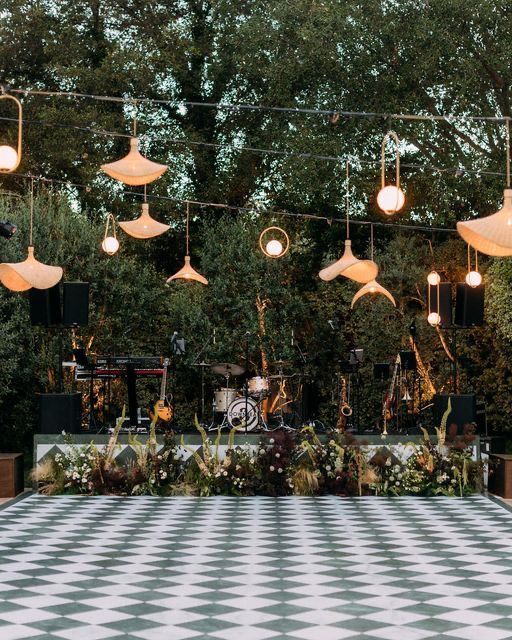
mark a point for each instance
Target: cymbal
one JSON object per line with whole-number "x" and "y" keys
{"x": 281, "y": 363}
{"x": 226, "y": 368}
{"x": 202, "y": 364}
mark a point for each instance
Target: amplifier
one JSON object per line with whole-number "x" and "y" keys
{"x": 60, "y": 412}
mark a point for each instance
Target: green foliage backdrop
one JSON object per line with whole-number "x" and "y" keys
{"x": 437, "y": 57}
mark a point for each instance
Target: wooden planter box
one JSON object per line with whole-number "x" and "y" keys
{"x": 500, "y": 477}
{"x": 11, "y": 474}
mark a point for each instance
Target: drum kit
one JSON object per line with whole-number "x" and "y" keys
{"x": 262, "y": 402}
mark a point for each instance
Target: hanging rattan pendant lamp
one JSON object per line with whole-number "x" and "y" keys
{"x": 134, "y": 169}
{"x": 492, "y": 235}
{"x": 187, "y": 271}
{"x": 144, "y": 227}
{"x": 348, "y": 265}
{"x": 21, "y": 276}
{"x": 372, "y": 287}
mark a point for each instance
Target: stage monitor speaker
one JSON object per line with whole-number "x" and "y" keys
{"x": 469, "y": 305}
{"x": 445, "y": 302}
{"x": 60, "y": 412}
{"x": 463, "y": 410}
{"x": 45, "y": 306}
{"x": 76, "y": 304}
{"x": 408, "y": 360}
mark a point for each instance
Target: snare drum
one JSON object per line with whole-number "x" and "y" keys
{"x": 258, "y": 386}
{"x": 223, "y": 398}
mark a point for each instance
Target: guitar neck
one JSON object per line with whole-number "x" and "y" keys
{"x": 164, "y": 381}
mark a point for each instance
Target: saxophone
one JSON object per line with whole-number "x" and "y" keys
{"x": 344, "y": 409}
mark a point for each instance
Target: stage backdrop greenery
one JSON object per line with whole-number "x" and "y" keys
{"x": 440, "y": 57}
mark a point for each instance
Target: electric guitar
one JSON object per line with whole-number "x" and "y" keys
{"x": 163, "y": 407}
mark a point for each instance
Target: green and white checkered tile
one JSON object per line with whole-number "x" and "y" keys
{"x": 255, "y": 568}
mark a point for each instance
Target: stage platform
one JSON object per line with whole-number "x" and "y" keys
{"x": 49, "y": 445}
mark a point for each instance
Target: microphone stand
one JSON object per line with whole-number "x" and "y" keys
{"x": 195, "y": 363}
{"x": 246, "y": 383}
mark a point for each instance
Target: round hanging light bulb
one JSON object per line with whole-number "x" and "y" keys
{"x": 390, "y": 199}
{"x": 8, "y": 158}
{"x": 274, "y": 248}
{"x": 433, "y": 278}
{"x": 434, "y": 319}
{"x": 110, "y": 245}
{"x": 474, "y": 278}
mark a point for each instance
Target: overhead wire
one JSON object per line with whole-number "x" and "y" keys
{"x": 245, "y": 209}
{"x": 278, "y": 152}
{"x": 253, "y": 107}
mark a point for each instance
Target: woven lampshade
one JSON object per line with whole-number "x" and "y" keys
{"x": 372, "y": 287}
{"x": 144, "y": 226}
{"x": 134, "y": 169}
{"x": 351, "y": 267}
{"x": 491, "y": 235}
{"x": 21, "y": 276}
{"x": 187, "y": 272}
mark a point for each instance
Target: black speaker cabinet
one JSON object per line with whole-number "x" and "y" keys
{"x": 60, "y": 412}
{"x": 76, "y": 304}
{"x": 45, "y": 306}
{"x": 408, "y": 360}
{"x": 445, "y": 302}
{"x": 463, "y": 410}
{"x": 469, "y": 305}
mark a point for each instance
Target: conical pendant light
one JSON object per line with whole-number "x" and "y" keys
{"x": 348, "y": 265}
{"x": 134, "y": 169}
{"x": 144, "y": 226}
{"x": 372, "y": 287}
{"x": 187, "y": 271}
{"x": 21, "y": 276}
{"x": 492, "y": 235}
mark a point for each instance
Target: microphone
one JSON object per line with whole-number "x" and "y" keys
{"x": 292, "y": 343}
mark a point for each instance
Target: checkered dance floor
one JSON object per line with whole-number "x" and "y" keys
{"x": 255, "y": 568}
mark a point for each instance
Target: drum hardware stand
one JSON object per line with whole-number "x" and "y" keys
{"x": 203, "y": 365}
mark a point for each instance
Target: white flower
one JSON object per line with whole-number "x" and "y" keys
{"x": 396, "y": 468}
{"x": 388, "y": 462}
{"x": 392, "y": 478}
{"x": 252, "y": 461}
{"x": 454, "y": 481}
{"x": 225, "y": 473}
{"x": 271, "y": 468}
{"x": 279, "y": 470}
{"x": 327, "y": 467}
{"x": 262, "y": 451}
{"x": 63, "y": 432}
{"x": 278, "y": 455}
{"x": 399, "y": 476}
{"x": 397, "y": 483}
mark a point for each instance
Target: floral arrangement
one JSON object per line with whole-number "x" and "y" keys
{"x": 283, "y": 463}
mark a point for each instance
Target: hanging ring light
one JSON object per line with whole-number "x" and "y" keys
{"x": 390, "y": 197}
{"x": 492, "y": 235}
{"x": 21, "y": 276}
{"x": 187, "y": 271}
{"x": 433, "y": 277}
{"x": 144, "y": 227}
{"x": 134, "y": 169}
{"x": 348, "y": 265}
{"x": 110, "y": 243}
{"x": 473, "y": 278}
{"x": 274, "y": 242}
{"x": 372, "y": 287}
{"x": 10, "y": 157}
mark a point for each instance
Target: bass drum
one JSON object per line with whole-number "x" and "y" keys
{"x": 237, "y": 414}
